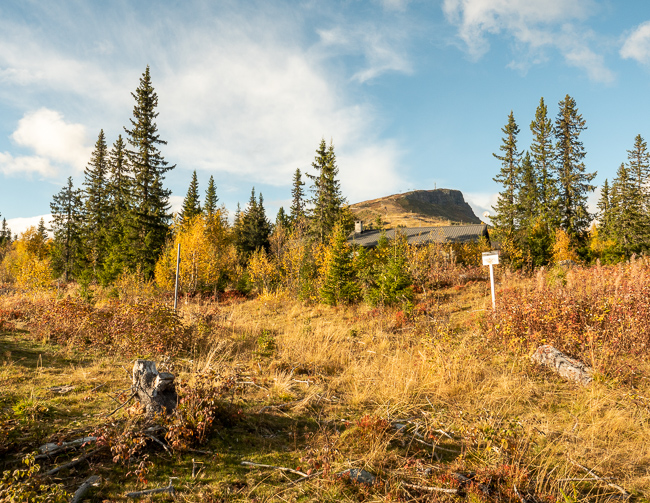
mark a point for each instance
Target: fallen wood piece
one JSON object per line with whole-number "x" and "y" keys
{"x": 52, "y": 448}
{"x": 282, "y": 406}
{"x": 311, "y": 476}
{"x": 430, "y": 489}
{"x": 281, "y": 468}
{"x": 466, "y": 480}
{"x": 563, "y": 365}
{"x": 66, "y": 388}
{"x": 138, "y": 494}
{"x": 158, "y": 441}
{"x": 610, "y": 484}
{"x": 155, "y": 391}
{"x": 72, "y": 463}
{"x": 91, "y": 481}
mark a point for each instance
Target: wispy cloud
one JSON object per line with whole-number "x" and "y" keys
{"x": 242, "y": 93}
{"x": 55, "y": 142}
{"x": 535, "y": 25}
{"x": 20, "y": 225}
{"x": 637, "y": 44}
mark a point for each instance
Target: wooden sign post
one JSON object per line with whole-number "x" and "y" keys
{"x": 491, "y": 259}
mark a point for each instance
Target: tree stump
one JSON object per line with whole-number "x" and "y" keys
{"x": 563, "y": 365}
{"x": 155, "y": 391}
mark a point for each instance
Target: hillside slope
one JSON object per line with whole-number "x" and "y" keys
{"x": 418, "y": 208}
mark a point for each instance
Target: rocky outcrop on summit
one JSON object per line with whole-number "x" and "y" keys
{"x": 418, "y": 208}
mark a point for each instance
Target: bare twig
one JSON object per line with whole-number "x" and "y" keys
{"x": 97, "y": 387}
{"x": 281, "y": 468}
{"x": 138, "y": 494}
{"x": 84, "y": 488}
{"x": 521, "y": 498}
{"x": 610, "y": 484}
{"x": 279, "y": 407}
{"x": 121, "y": 406}
{"x": 72, "y": 463}
{"x": 430, "y": 489}
{"x": 158, "y": 441}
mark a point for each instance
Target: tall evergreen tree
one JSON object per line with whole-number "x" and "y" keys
{"x": 506, "y": 208}
{"x": 339, "y": 283}
{"x": 67, "y": 226}
{"x": 210, "y": 205}
{"x": 191, "y": 203}
{"x": 297, "y": 210}
{"x": 528, "y": 196}
{"x": 96, "y": 203}
{"x": 282, "y": 219}
{"x": 573, "y": 181}
{"x": 627, "y": 214}
{"x": 252, "y": 228}
{"x": 543, "y": 155}
{"x": 639, "y": 167}
{"x": 604, "y": 214}
{"x": 327, "y": 198}
{"x": 42, "y": 230}
{"x": 150, "y": 211}
{"x": 118, "y": 188}
{"x": 5, "y": 233}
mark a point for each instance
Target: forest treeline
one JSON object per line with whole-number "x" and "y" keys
{"x": 542, "y": 214}
{"x": 118, "y": 222}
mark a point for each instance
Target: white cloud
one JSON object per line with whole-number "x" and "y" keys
{"x": 534, "y": 25}
{"x": 25, "y": 165}
{"x": 45, "y": 132}
{"x": 481, "y": 202}
{"x": 380, "y": 48}
{"x": 20, "y": 225}
{"x": 240, "y": 93}
{"x": 637, "y": 44}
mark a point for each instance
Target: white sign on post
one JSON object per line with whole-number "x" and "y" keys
{"x": 491, "y": 259}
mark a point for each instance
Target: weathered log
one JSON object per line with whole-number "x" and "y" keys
{"x": 79, "y": 494}
{"x": 155, "y": 391}
{"x": 51, "y": 448}
{"x": 563, "y": 365}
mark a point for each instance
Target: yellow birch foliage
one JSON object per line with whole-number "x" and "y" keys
{"x": 263, "y": 271}
{"x": 28, "y": 263}
{"x": 207, "y": 255}
{"x": 562, "y": 248}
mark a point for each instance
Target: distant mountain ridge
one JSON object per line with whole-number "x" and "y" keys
{"x": 418, "y": 208}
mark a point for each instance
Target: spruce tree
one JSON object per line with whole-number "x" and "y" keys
{"x": 150, "y": 211}
{"x": 574, "y": 182}
{"x": 604, "y": 214}
{"x": 211, "y": 199}
{"x": 118, "y": 189}
{"x": 252, "y": 228}
{"x": 297, "y": 211}
{"x": 42, "y": 230}
{"x": 191, "y": 204}
{"x": 543, "y": 155}
{"x": 639, "y": 168}
{"x": 282, "y": 219}
{"x": 528, "y": 196}
{"x": 67, "y": 226}
{"x": 96, "y": 204}
{"x": 506, "y": 208}
{"x": 627, "y": 213}
{"x": 339, "y": 284}
{"x": 327, "y": 198}
{"x": 5, "y": 233}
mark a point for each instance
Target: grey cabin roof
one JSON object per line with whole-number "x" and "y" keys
{"x": 424, "y": 235}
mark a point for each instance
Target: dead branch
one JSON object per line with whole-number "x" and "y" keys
{"x": 138, "y": 494}
{"x": 281, "y": 468}
{"x": 51, "y": 448}
{"x": 158, "y": 441}
{"x": 430, "y": 489}
{"x": 97, "y": 387}
{"x": 72, "y": 463}
{"x": 121, "y": 406}
{"x": 279, "y": 407}
{"x": 84, "y": 488}
{"x": 610, "y": 484}
{"x": 420, "y": 438}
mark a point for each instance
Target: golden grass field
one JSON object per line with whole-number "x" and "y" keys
{"x": 426, "y": 401}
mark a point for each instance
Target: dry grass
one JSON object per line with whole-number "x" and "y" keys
{"x": 321, "y": 388}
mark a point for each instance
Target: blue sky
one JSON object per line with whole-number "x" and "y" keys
{"x": 413, "y": 93}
